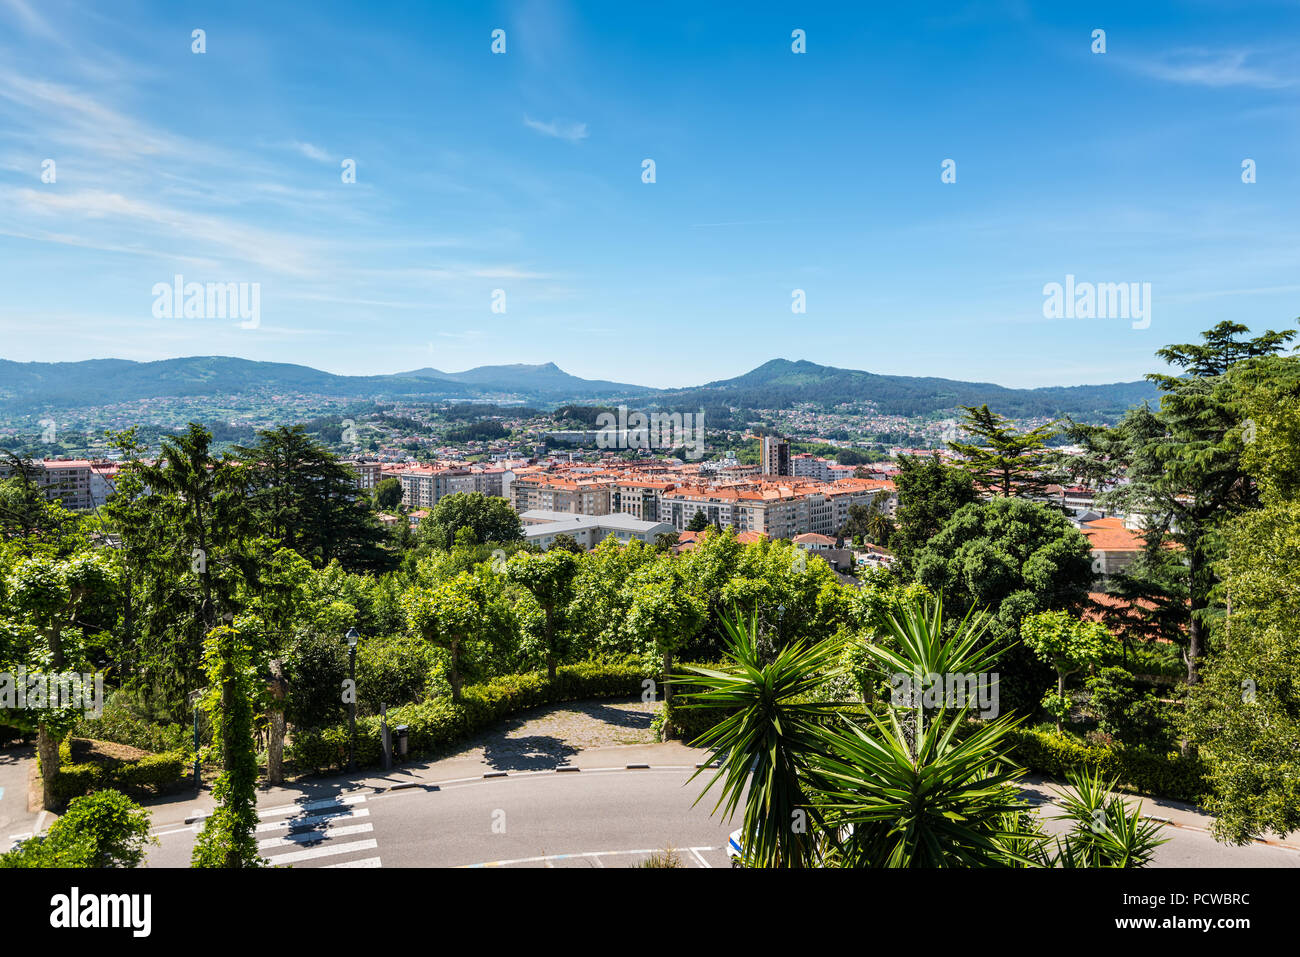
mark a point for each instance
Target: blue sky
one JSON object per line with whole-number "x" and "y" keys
{"x": 523, "y": 172}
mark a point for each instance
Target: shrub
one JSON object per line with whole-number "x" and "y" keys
{"x": 122, "y": 725}
{"x": 1128, "y": 710}
{"x": 317, "y": 667}
{"x": 151, "y": 774}
{"x": 394, "y": 669}
{"x": 105, "y": 829}
{"x": 1174, "y": 776}
{"x": 156, "y": 773}
{"x": 76, "y": 780}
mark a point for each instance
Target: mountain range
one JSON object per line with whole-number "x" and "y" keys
{"x": 33, "y": 387}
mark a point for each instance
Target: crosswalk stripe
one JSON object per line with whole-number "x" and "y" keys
{"x": 364, "y": 862}
{"x": 311, "y": 805}
{"x": 307, "y": 837}
{"x": 307, "y": 823}
{"x": 328, "y": 850}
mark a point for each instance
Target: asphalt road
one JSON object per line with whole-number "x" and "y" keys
{"x": 592, "y": 818}
{"x": 534, "y": 819}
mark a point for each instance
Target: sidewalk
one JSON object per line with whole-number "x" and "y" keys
{"x": 15, "y": 818}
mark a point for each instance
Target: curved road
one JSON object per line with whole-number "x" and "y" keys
{"x": 591, "y": 818}
{"x": 609, "y": 817}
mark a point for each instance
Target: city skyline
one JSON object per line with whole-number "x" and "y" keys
{"x": 522, "y": 172}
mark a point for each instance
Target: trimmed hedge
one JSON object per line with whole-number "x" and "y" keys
{"x": 1177, "y": 776}
{"x": 689, "y": 723}
{"x": 152, "y": 774}
{"x": 434, "y": 726}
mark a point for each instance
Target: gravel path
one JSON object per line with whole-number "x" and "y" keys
{"x": 543, "y": 737}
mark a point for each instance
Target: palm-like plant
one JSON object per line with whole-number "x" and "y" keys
{"x": 933, "y": 801}
{"x": 914, "y": 786}
{"x": 769, "y": 741}
{"x": 1107, "y": 832}
{"x": 923, "y": 650}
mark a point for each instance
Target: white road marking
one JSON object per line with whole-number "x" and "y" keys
{"x": 311, "y": 805}
{"x": 315, "y": 820}
{"x": 328, "y": 850}
{"x": 549, "y": 858}
{"x": 703, "y": 862}
{"x": 364, "y": 862}
{"x": 308, "y": 837}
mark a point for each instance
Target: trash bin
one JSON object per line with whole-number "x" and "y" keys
{"x": 401, "y": 740}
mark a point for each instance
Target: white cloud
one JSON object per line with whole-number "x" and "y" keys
{"x": 573, "y": 132}
{"x": 311, "y": 151}
{"x": 1202, "y": 67}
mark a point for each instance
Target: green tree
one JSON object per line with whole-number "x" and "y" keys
{"x": 388, "y": 493}
{"x": 229, "y": 835}
{"x": 871, "y": 521}
{"x": 549, "y": 578}
{"x": 56, "y": 598}
{"x": 1014, "y": 558}
{"x": 1003, "y": 460}
{"x": 1069, "y": 645}
{"x": 26, "y": 510}
{"x": 481, "y": 518}
{"x": 929, "y": 494}
{"x": 305, "y": 498}
{"x": 1182, "y": 463}
{"x": 821, "y": 790}
{"x": 189, "y": 534}
{"x": 768, "y": 742}
{"x": 566, "y": 543}
{"x": 664, "y": 615}
{"x": 449, "y": 614}
{"x": 1244, "y": 716}
{"x": 699, "y": 522}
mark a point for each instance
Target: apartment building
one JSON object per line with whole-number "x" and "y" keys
{"x": 777, "y": 510}
{"x": 552, "y": 493}
{"x": 368, "y": 473}
{"x": 774, "y": 455}
{"x": 807, "y": 465}
{"x": 65, "y": 480}
{"x": 640, "y": 499}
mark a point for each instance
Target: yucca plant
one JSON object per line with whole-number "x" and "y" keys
{"x": 1106, "y": 831}
{"x": 934, "y": 801}
{"x": 923, "y": 649}
{"x": 769, "y": 741}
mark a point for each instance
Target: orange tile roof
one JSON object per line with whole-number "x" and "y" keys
{"x": 1110, "y": 535}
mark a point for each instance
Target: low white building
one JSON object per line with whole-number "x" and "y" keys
{"x": 541, "y": 527}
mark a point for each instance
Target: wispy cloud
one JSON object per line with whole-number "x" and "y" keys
{"x": 560, "y": 130}
{"x": 228, "y": 238}
{"x": 31, "y": 20}
{"x": 1217, "y": 68}
{"x": 312, "y": 151}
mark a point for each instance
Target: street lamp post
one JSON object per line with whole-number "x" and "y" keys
{"x": 352, "y": 637}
